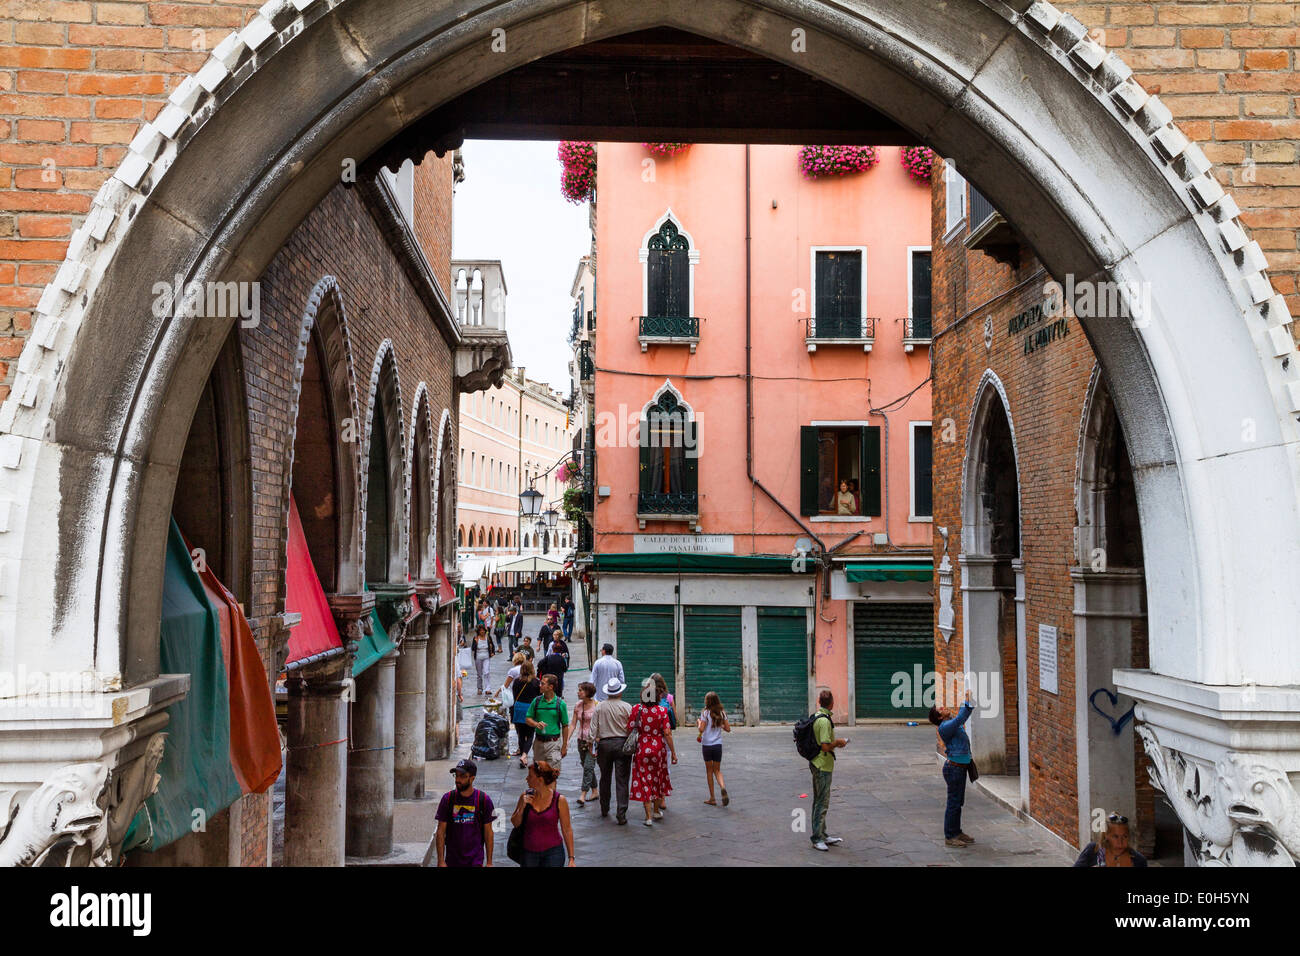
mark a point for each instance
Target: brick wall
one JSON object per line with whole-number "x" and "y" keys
{"x": 433, "y": 191}
{"x": 1046, "y": 392}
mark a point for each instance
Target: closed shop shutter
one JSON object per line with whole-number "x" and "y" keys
{"x": 713, "y": 660}
{"x": 889, "y": 639}
{"x": 645, "y": 645}
{"x": 782, "y": 663}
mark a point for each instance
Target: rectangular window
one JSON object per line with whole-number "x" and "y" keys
{"x": 954, "y": 195}
{"x": 922, "y": 470}
{"x": 840, "y": 470}
{"x": 838, "y": 293}
{"x": 919, "y": 310}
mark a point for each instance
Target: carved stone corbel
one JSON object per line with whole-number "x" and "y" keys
{"x": 1242, "y": 811}
{"x": 47, "y": 826}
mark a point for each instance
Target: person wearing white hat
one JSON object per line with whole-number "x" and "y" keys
{"x": 609, "y": 730}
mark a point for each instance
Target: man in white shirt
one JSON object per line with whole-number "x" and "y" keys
{"x": 606, "y": 667}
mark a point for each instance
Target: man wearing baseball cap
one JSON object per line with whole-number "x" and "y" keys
{"x": 465, "y": 821}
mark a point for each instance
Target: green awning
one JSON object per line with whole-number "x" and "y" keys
{"x": 372, "y": 646}
{"x": 673, "y": 562}
{"x": 890, "y": 571}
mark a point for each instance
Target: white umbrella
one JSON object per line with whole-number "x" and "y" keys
{"x": 530, "y": 563}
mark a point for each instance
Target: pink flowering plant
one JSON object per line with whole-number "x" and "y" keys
{"x": 667, "y": 149}
{"x": 568, "y": 472}
{"x": 819, "y": 162}
{"x": 578, "y": 171}
{"x": 918, "y": 161}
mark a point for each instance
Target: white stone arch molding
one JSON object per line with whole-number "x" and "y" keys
{"x": 989, "y": 390}
{"x": 445, "y": 435}
{"x": 418, "y": 403}
{"x": 1048, "y": 124}
{"x": 326, "y": 314}
{"x": 386, "y": 389}
{"x": 643, "y": 257}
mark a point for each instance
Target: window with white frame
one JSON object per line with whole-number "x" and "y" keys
{"x": 954, "y": 196}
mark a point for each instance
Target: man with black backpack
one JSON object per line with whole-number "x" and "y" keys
{"x": 815, "y": 739}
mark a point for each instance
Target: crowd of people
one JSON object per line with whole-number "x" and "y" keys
{"x": 626, "y": 750}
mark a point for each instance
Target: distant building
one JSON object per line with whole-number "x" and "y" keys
{"x": 757, "y": 443}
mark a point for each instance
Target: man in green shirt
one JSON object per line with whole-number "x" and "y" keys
{"x": 822, "y": 766}
{"x": 550, "y": 716}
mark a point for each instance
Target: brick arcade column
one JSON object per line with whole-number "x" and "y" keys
{"x": 317, "y": 761}
{"x": 439, "y": 704}
{"x": 370, "y": 762}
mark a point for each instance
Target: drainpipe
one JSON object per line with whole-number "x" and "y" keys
{"x": 749, "y": 403}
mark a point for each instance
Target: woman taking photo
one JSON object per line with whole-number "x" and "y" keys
{"x": 650, "y": 783}
{"x": 525, "y": 688}
{"x": 544, "y": 815}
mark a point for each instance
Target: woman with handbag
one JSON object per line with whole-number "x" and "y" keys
{"x": 650, "y": 782}
{"x": 525, "y": 689}
{"x": 582, "y": 720}
{"x": 542, "y": 831}
{"x": 959, "y": 765}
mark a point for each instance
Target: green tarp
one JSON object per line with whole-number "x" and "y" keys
{"x": 198, "y": 780}
{"x": 703, "y": 563}
{"x": 372, "y": 646}
{"x": 890, "y": 571}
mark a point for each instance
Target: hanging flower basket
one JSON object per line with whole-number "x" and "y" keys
{"x": 918, "y": 161}
{"x": 578, "y": 171}
{"x": 820, "y": 162}
{"x": 667, "y": 149}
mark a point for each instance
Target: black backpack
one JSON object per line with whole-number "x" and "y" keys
{"x": 805, "y": 740}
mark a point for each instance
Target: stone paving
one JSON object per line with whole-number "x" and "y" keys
{"x": 887, "y": 803}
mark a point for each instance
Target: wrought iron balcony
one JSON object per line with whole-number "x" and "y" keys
{"x": 840, "y": 330}
{"x": 586, "y": 537}
{"x": 669, "y": 330}
{"x": 917, "y": 331}
{"x": 682, "y": 504}
{"x": 586, "y": 367}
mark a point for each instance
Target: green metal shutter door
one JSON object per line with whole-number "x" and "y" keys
{"x": 782, "y": 663}
{"x": 889, "y": 639}
{"x": 645, "y": 645}
{"x": 713, "y": 660}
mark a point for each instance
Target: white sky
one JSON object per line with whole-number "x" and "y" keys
{"x": 509, "y": 207}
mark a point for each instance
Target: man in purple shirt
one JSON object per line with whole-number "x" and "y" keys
{"x": 465, "y": 821}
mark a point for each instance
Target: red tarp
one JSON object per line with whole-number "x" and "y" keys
{"x": 304, "y": 595}
{"x": 446, "y": 593}
{"x": 254, "y": 736}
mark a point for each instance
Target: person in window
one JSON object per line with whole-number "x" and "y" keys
{"x": 845, "y": 501}
{"x": 857, "y": 496}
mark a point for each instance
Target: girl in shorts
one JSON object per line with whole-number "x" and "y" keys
{"x": 712, "y": 723}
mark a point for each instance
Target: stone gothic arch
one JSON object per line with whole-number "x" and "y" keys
{"x": 384, "y": 452}
{"x": 1052, "y": 128}
{"x": 422, "y": 492}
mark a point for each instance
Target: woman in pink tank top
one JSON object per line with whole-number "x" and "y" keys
{"x": 544, "y": 815}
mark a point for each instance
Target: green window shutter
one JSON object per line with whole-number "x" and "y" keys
{"x": 650, "y": 475}
{"x": 808, "y": 470}
{"x": 871, "y": 470}
{"x": 690, "y": 472}
{"x": 923, "y": 468}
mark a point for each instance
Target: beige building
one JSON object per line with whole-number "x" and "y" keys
{"x": 510, "y": 436}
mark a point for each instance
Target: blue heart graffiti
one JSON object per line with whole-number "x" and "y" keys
{"x": 1116, "y": 725}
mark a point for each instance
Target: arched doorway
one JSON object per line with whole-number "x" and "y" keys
{"x": 1110, "y": 626}
{"x": 1130, "y": 201}
{"x": 992, "y": 585}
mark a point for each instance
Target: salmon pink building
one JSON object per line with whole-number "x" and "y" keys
{"x": 758, "y": 427}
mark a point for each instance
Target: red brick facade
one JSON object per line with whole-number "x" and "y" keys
{"x": 1046, "y": 393}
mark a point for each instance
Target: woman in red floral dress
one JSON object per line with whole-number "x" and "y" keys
{"x": 650, "y": 783}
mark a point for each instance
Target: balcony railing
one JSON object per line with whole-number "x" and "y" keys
{"x": 989, "y": 231}
{"x": 586, "y": 367}
{"x": 840, "y": 330}
{"x": 586, "y": 537}
{"x": 980, "y": 208}
{"x": 918, "y": 330}
{"x": 669, "y": 330}
{"x": 683, "y": 503}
